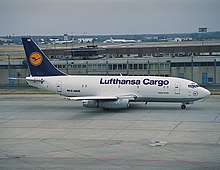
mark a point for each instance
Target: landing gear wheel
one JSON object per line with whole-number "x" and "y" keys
{"x": 183, "y": 106}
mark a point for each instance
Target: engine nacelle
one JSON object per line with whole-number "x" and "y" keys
{"x": 90, "y": 103}
{"x": 118, "y": 104}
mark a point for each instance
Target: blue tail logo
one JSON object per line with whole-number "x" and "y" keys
{"x": 38, "y": 63}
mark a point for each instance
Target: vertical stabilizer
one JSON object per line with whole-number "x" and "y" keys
{"x": 38, "y": 63}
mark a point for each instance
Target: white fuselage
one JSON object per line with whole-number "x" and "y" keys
{"x": 145, "y": 88}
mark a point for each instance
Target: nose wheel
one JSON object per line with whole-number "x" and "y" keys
{"x": 183, "y": 106}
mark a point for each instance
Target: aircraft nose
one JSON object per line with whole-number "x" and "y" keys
{"x": 206, "y": 92}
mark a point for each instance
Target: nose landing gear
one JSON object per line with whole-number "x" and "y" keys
{"x": 183, "y": 106}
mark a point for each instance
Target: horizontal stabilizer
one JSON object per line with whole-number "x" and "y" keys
{"x": 35, "y": 79}
{"x": 14, "y": 78}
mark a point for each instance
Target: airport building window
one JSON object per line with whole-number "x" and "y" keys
{"x": 180, "y": 64}
{"x": 99, "y": 66}
{"x": 203, "y": 64}
{"x": 162, "y": 66}
{"x": 181, "y": 75}
{"x": 119, "y": 66}
{"x": 94, "y": 67}
{"x": 196, "y": 64}
{"x": 105, "y": 67}
{"x": 130, "y": 66}
{"x": 110, "y": 66}
{"x": 210, "y": 79}
{"x": 145, "y": 66}
{"x": 210, "y": 63}
{"x": 114, "y": 66}
{"x": 13, "y": 67}
{"x": 187, "y": 64}
{"x": 124, "y": 66}
{"x": 151, "y": 66}
{"x": 167, "y": 66}
{"x": 4, "y": 67}
{"x": 90, "y": 67}
{"x": 135, "y": 66}
{"x": 140, "y": 66}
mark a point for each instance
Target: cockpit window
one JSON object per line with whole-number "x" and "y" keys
{"x": 193, "y": 86}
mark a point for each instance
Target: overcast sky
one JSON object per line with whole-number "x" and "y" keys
{"x": 76, "y": 17}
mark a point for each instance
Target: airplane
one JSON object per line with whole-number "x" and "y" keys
{"x": 111, "y": 40}
{"x": 107, "y": 92}
{"x": 57, "y": 41}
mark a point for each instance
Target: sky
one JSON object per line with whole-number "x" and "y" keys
{"x": 97, "y": 17}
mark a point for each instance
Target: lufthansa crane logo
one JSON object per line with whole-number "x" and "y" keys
{"x": 195, "y": 93}
{"x": 35, "y": 59}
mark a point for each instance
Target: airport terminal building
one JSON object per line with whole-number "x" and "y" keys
{"x": 182, "y": 61}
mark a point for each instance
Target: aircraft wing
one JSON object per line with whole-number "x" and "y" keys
{"x": 128, "y": 96}
{"x": 93, "y": 98}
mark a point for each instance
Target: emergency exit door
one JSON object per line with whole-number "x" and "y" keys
{"x": 177, "y": 88}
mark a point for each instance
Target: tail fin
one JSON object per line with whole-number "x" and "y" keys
{"x": 38, "y": 62}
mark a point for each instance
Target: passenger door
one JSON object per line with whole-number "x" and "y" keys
{"x": 59, "y": 86}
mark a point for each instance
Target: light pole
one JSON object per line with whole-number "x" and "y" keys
{"x": 192, "y": 67}
{"x": 9, "y": 69}
{"x": 66, "y": 39}
{"x": 202, "y": 30}
{"x": 158, "y": 62}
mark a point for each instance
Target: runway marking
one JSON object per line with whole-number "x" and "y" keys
{"x": 172, "y": 130}
{"x": 152, "y": 161}
{"x": 194, "y": 162}
{"x": 28, "y": 156}
{"x": 216, "y": 118}
{"x": 21, "y": 156}
{"x": 106, "y": 159}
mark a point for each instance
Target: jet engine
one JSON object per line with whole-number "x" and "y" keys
{"x": 106, "y": 104}
{"x": 90, "y": 103}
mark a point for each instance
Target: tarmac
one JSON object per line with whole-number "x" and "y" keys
{"x": 45, "y": 131}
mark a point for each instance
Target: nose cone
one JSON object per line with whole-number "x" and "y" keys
{"x": 206, "y": 93}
